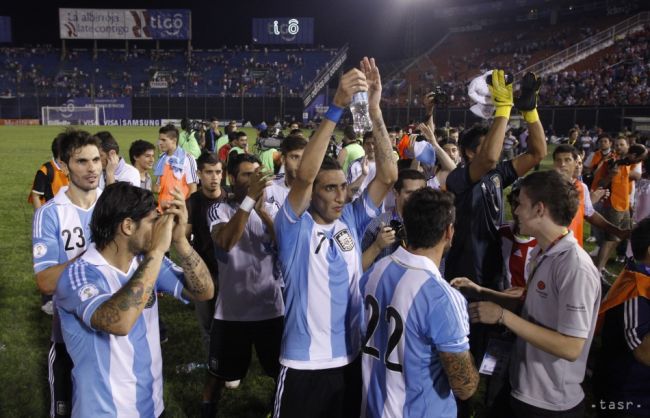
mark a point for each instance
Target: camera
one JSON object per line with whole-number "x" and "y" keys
{"x": 198, "y": 125}
{"x": 635, "y": 154}
{"x": 398, "y": 227}
{"x": 270, "y": 138}
{"x": 439, "y": 96}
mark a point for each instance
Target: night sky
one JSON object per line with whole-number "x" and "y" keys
{"x": 371, "y": 27}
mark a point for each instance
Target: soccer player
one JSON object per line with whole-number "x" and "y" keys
{"x": 60, "y": 234}
{"x": 416, "y": 350}
{"x": 555, "y": 325}
{"x": 210, "y": 193}
{"x": 319, "y": 250}
{"x": 142, "y": 156}
{"x": 291, "y": 150}
{"x": 249, "y": 309}
{"x": 114, "y": 166}
{"x": 108, "y": 304}
{"x": 175, "y": 168}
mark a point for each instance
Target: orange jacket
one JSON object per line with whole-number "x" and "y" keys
{"x": 629, "y": 284}
{"x": 578, "y": 221}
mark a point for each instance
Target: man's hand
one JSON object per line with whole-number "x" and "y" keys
{"x": 385, "y": 237}
{"x": 599, "y": 194}
{"x": 429, "y": 104}
{"x": 178, "y": 210}
{"x": 352, "y": 82}
{"x": 161, "y": 235}
{"x": 501, "y": 94}
{"x": 485, "y": 312}
{"x": 427, "y": 131}
{"x": 373, "y": 79}
{"x": 112, "y": 160}
{"x": 259, "y": 180}
{"x": 466, "y": 287}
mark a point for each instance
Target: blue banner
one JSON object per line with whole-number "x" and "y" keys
{"x": 110, "y": 108}
{"x": 5, "y": 29}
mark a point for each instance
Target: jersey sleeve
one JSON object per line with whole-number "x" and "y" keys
{"x": 171, "y": 280}
{"x": 508, "y": 173}
{"x": 133, "y": 176}
{"x": 578, "y": 294}
{"x": 191, "y": 175}
{"x": 40, "y": 182}
{"x": 360, "y": 212}
{"x": 636, "y": 320}
{"x": 447, "y": 321}
{"x": 287, "y": 228}
{"x": 218, "y": 214}
{"x": 45, "y": 238}
{"x": 81, "y": 290}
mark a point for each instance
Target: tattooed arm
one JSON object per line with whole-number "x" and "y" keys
{"x": 118, "y": 314}
{"x": 461, "y": 372}
{"x": 198, "y": 281}
{"x": 386, "y": 174}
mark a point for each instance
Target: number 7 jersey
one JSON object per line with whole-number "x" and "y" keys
{"x": 61, "y": 231}
{"x": 411, "y": 314}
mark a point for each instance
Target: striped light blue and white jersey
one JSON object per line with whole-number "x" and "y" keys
{"x": 113, "y": 376}
{"x": 411, "y": 314}
{"x": 60, "y": 232}
{"x": 321, "y": 266}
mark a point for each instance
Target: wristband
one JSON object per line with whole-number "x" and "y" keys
{"x": 530, "y": 116}
{"x": 334, "y": 113}
{"x": 248, "y": 204}
{"x": 503, "y": 111}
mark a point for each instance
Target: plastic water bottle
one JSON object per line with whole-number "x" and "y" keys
{"x": 360, "y": 116}
{"x": 189, "y": 367}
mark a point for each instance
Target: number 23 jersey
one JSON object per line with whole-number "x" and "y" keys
{"x": 61, "y": 231}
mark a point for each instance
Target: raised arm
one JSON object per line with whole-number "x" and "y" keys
{"x": 312, "y": 158}
{"x": 386, "y": 168}
{"x": 490, "y": 151}
{"x": 226, "y": 235}
{"x": 527, "y": 105}
{"x": 118, "y": 314}
{"x": 461, "y": 373}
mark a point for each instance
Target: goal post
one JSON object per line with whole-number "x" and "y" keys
{"x": 71, "y": 115}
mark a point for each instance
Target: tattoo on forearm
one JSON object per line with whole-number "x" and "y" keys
{"x": 196, "y": 273}
{"x": 383, "y": 150}
{"x": 461, "y": 372}
{"x": 133, "y": 295}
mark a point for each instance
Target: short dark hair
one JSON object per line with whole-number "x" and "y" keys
{"x": 640, "y": 240}
{"x": 448, "y": 142}
{"x": 108, "y": 142}
{"x": 185, "y": 124}
{"x": 296, "y": 132}
{"x": 566, "y": 149}
{"x": 73, "y": 139}
{"x": 235, "y": 160}
{"x": 56, "y": 142}
{"x": 139, "y": 147}
{"x": 555, "y": 191}
{"x": 605, "y": 136}
{"x": 328, "y": 164}
{"x": 367, "y": 135}
{"x": 239, "y": 134}
{"x": 408, "y": 174}
{"x": 209, "y": 158}
{"x": 348, "y": 133}
{"x": 117, "y": 202}
{"x": 169, "y": 130}
{"x": 427, "y": 213}
{"x": 292, "y": 143}
{"x": 214, "y": 119}
{"x": 471, "y": 139}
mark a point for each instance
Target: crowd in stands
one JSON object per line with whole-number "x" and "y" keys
{"x": 242, "y": 71}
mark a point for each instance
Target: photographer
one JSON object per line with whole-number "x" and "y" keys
{"x": 616, "y": 174}
{"x": 351, "y": 149}
{"x": 212, "y": 135}
{"x": 187, "y": 140}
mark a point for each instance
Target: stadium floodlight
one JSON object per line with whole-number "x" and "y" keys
{"x": 71, "y": 115}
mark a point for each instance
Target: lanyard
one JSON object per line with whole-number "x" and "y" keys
{"x": 537, "y": 262}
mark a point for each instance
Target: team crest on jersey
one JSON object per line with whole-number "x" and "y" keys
{"x": 88, "y": 291}
{"x": 40, "y": 250}
{"x": 344, "y": 239}
{"x": 497, "y": 181}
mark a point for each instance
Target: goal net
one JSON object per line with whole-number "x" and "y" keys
{"x": 71, "y": 115}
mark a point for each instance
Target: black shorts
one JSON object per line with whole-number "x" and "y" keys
{"x": 231, "y": 345}
{"x": 60, "y": 377}
{"x": 319, "y": 393}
